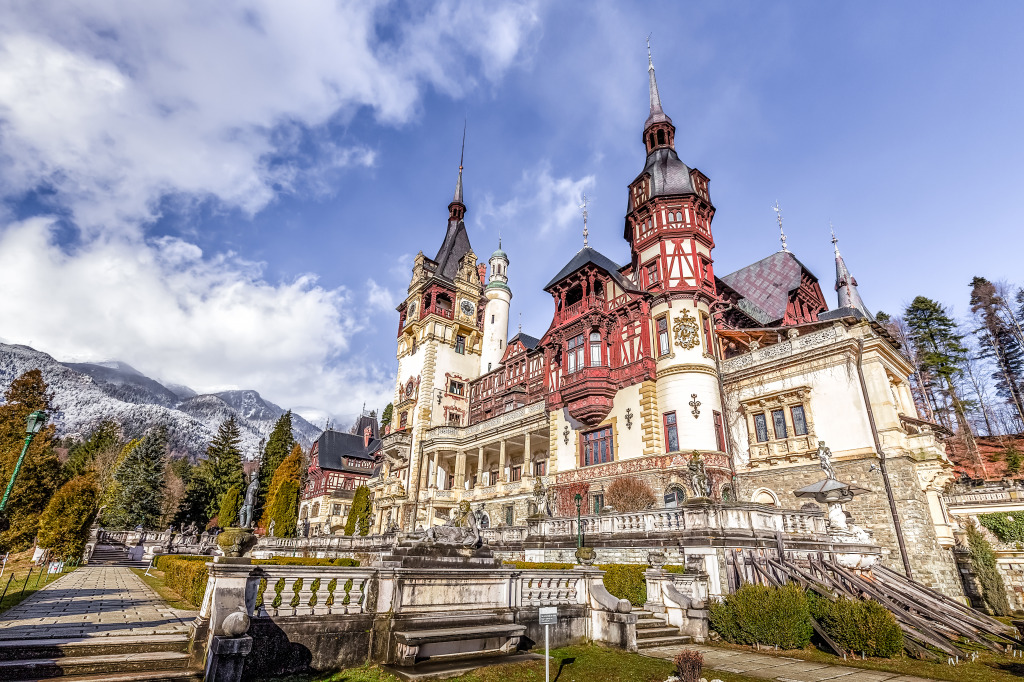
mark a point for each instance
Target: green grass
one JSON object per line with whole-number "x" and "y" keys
{"x": 988, "y": 668}
{"x": 155, "y": 580}
{"x": 15, "y": 592}
{"x": 569, "y": 664}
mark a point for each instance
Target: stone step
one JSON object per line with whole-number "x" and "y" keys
{"x": 184, "y": 674}
{"x": 677, "y": 640}
{"x": 106, "y": 664}
{"x": 655, "y": 633}
{"x": 645, "y": 623}
{"x": 64, "y": 647}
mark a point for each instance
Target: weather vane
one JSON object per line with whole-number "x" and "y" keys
{"x": 583, "y": 207}
{"x": 650, "y": 62}
{"x": 835, "y": 242}
{"x": 782, "y": 233}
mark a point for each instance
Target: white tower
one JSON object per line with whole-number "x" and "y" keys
{"x": 499, "y": 297}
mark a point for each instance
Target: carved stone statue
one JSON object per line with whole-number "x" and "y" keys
{"x": 249, "y": 503}
{"x": 453, "y": 532}
{"x": 825, "y": 457}
{"x": 541, "y": 499}
{"x": 699, "y": 479}
{"x": 273, "y": 526}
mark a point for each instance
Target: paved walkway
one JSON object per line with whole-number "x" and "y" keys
{"x": 93, "y": 602}
{"x": 781, "y": 668}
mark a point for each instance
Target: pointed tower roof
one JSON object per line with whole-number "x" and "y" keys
{"x": 850, "y": 301}
{"x": 457, "y": 209}
{"x": 456, "y": 241}
{"x": 657, "y": 113}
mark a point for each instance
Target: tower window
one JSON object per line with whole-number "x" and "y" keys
{"x": 595, "y": 349}
{"x": 575, "y": 354}
{"x": 460, "y": 344}
{"x": 720, "y": 431}
{"x": 671, "y": 432}
{"x": 652, "y": 273}
{"x": 661, "y": 137}
{"x": 650, "y": 139}
{"x": 492, "y": 319}
{"x": 664, "y": 343}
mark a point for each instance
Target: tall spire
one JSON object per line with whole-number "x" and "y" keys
{"x": 583, "y": 207}
{"x": 657, "y": 113}
{"x": 846, "y": 284}
{"x": 782, "y": 233}
{"x": 457, "y": 209}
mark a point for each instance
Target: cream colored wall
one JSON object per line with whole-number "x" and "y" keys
{"x": 628, "y": 441}
{"x": 496, "y": 333}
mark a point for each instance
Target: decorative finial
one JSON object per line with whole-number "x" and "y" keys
{"x": 520, "y": 322}
{"x": 650, "y": 62}
{"x": 462, "y": 155}
{"x": 583, "y": 207}
{"x": 835, "y": 242}
{"x": 782, "y": 233}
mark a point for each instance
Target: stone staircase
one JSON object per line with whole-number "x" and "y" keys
{"x": 114, "y": 555}
{"x": 652, "y": 631}
{"x": 115, "y": 658}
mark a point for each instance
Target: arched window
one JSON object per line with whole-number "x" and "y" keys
{"x": 727, "y": 494}
{"x": 675, "y": 495}
{"x": 765, "y": 496}
{"x": 651, "y": 140}
{"x": 595, "y": 349}
{"x": 316, "y": 509}
{"x": 661, "y": 137}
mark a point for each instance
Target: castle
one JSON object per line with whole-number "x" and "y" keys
{"x": 702, "y": 386}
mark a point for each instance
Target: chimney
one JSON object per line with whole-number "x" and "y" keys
{"x": 482, "y": 270}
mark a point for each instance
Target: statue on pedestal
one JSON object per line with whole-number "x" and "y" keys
{"x": 249, "y": 503}
{"x": 825, "y": 458}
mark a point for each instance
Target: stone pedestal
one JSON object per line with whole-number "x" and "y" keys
{"x": 227, "y": 658}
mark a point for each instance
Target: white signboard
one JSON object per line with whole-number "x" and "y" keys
{"x": 549, "y": 615}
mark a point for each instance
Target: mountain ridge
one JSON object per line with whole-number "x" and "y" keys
{"x": 86, "y": 393}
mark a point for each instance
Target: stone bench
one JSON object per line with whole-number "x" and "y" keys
{"x": 443, "y": 644}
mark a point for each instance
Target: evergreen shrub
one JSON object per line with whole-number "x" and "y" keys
{"x": 983, "y": 561}
{"x": 757, "y": 614}
{"x": 359, "y": 514}
{"x": 284, "y": 509}
{"x": 65, "y": 522}
{"x": 859, "y": 626}
{"x": 230, "y": 505}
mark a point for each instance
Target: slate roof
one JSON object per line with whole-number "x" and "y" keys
{"x": 669, "y": 175}
{"x": 333, "y": 446}
{"x": 767, "y": 284}
{"x": 453, "y": 248}
{"x": 527, "y": 340}
{"x": 588, "y": 255}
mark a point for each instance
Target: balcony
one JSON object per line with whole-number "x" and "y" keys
{"x": 588, "y": 393}
{"x": 571, "y": 312}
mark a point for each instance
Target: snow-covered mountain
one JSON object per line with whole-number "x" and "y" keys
{"x": 87, "y": 393}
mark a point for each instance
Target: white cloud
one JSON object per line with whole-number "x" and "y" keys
{"x": 380, "y": 297}
{"x": 546, "y": 203}
{"x": 115, "y": 105}
{"x": 212, "y": 324}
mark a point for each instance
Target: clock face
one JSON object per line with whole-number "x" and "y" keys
{"x": 467, "y": 307}
{"x": 409, "y": 388}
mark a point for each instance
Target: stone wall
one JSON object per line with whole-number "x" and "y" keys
{"x": 1013, "y": 577}
{"x": 931, "y": 564}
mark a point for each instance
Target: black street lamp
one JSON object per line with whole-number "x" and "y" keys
{"x": 579, "y": 527}
{"x": 34, "y": 425}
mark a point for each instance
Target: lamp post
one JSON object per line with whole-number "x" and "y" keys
{"x": 35, "y": 424}
{"x": 579, "y": 526}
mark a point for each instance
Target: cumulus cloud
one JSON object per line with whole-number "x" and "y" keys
{"x": 546, "y": 202}
{"x": 109, "y": 108}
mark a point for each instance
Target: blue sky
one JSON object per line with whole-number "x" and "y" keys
{"x": 230, "y": 195}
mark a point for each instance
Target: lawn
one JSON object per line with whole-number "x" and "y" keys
{"x": 988, "y": 668}
{"x": 569, "y": 664}
{"x": 22, "y": 578}
{"x": 155, "y": 580}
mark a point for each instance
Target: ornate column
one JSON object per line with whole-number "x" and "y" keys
{"x": 433, "y": 473}
{"x": 527, "y": 456}
{"x": 501, "y": 462}
{"x": 480, "y": 465}
{"x": 460, "y": 470}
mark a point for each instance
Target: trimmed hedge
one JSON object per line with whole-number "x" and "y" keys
{"x": 756, "y": 614}
{"x": 187, "y": 574}
{"x": 859, "y": 626}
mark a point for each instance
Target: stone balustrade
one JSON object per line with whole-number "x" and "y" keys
{"x": 306, "y": 591}
{"x": 454, "y": 435}
{"x": 822, "y": 337}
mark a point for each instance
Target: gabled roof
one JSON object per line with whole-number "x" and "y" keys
{"x": 453, "y": 248}
{"x": 767, "y": 284}
{"x": 528, "y": 341}
{"x": 333, "y": 446}
{"x": 585, "y": 256}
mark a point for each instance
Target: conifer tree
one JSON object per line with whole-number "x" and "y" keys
{"x": 941, "y": 354}
{"x": 279, "y": 445}
{"x": 360, "y": 513}
{"x": 230, "y": 505}
{"x": 282, "y": 497}
{"x": 999, "y": 343}
{"x": 81, "y": 455}
{"x": 223, "y": 464}
{"x": 386, "y": 416}
{"x": 40, "y": 474}
{"x": 65, "y": 522}
{"x": 140, "y": 484}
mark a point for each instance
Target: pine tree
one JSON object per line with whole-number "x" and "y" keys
{"x": 82, "y": 454}
{"x": 278, "y": 446}
{"x": 223, "y": 463}
{"x": 65, "y": 522}
{"x": 282, "y": 496}
{"x": 998, "y": 342}
{"x": 386, "y": 416}
{"x": 40, "y": 474}
{"x": 140, "y": 484}
{"x": 359, "y": 514}
{"x": 941, "y": 355}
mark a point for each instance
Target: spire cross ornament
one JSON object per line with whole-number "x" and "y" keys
{"x": 782, "y": 233}
{"x": 583, "y": 207}
{"x": 835, "y": 242}
{"x": 650, "y": 62}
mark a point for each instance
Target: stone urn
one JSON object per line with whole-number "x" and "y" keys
{"x": 656, "y": 560}
{"x": 236, "y": 542}
{"x": 586, "y": 556}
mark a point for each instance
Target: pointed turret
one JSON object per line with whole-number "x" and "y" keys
{"x": 457, "y": 209}
{"x": 657, "y": 113}
{"x": 659, "y": 133}
{"x": 846, "y": 285}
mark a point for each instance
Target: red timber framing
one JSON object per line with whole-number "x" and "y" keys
{"x": 805, "y": 303}
{"x": 518, "y": 381}
{"x": 615, "y": 338}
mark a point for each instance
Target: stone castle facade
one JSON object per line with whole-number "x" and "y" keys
{"x": 702, "y": 386}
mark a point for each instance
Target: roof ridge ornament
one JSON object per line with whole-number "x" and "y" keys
{"x": 583, "y": 207}
{"x": 782, "y": 233}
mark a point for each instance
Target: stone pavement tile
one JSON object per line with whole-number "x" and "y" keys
{"x": 828, "y": 673}
{"x": 908, "y": 678}
{"x": 862, "y": 675}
